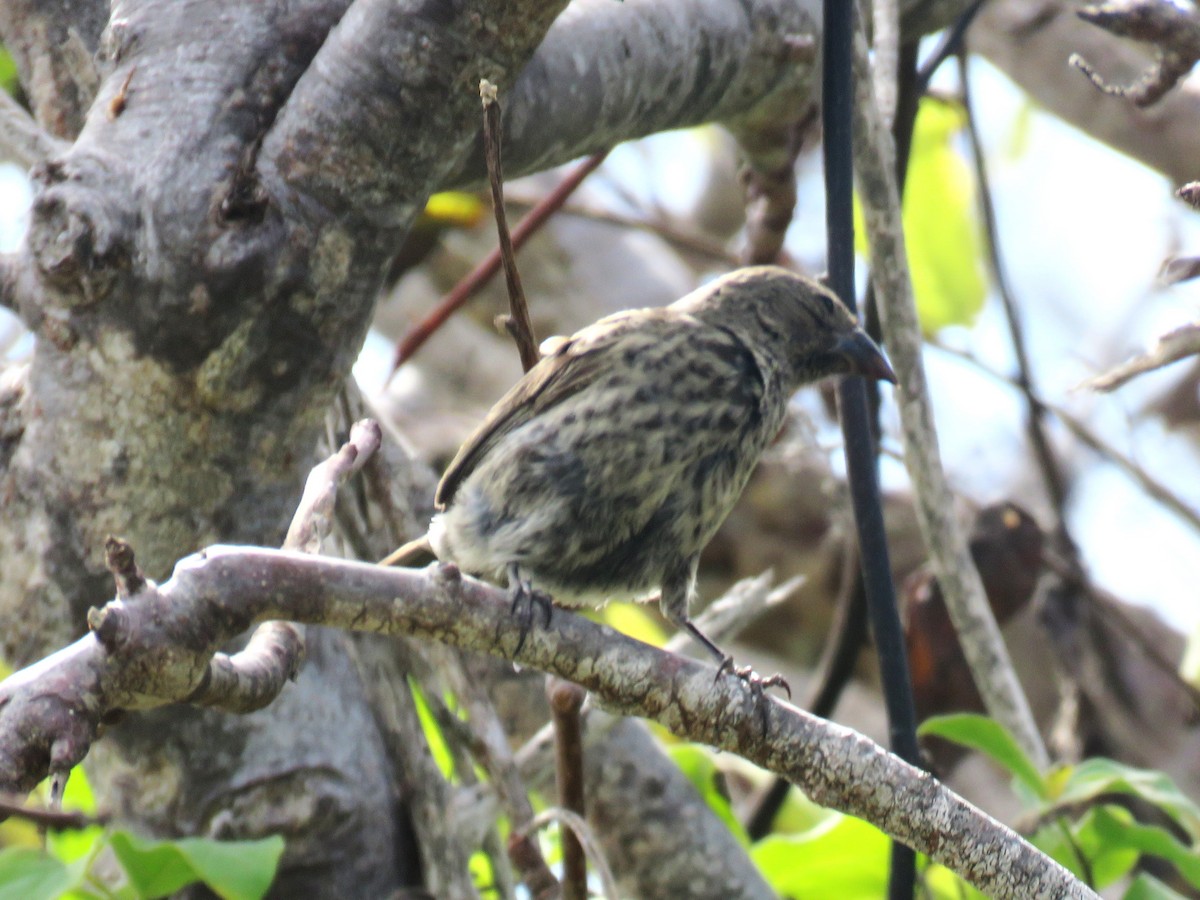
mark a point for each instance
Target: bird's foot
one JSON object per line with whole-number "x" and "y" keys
{"x": 758, "y": 684}
{"x": 524, "y": 598}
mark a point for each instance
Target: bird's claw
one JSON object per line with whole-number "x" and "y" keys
{"x": 758, "y": 685}
{"x": 524, "y": 598}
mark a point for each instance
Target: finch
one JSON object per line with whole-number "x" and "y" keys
{"x": 603, "y": 473}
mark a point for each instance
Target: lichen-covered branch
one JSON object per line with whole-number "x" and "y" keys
{"x": 156, "y": 646}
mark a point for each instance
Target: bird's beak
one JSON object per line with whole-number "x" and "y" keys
{"x": 864, "y": 357}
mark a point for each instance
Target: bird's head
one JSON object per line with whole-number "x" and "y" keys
{"x": 797, "y": 324}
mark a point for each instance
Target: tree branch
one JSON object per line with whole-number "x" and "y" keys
{"x": 412, "y": 68}
{"x": 22, "y": 140}
{"x": 1030, "y": 41}
{"x": 1173, "y": 346}
{"x": 982, "y": 642}
{"x": 156, "y": 647}
{"x": 652, "y": 65}
{"x": 1173, "y": 31}
{"x": 54, "y": 44}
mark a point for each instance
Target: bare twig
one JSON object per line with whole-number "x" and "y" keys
{"x": 1171, "y": 347}
{"x": 973, "y": 619}
{"x": 688, "y": 242}
{"x": 1148, "y": 483}
{"x": 947, "y": 45}
{"x": 566, "y": 701}
{"x": 483, "y": 273}
{"x": 1180, "y": 268}
{"x": 48, "y": 819}
{"x": 489, "y": 746}
{"x": 575, "y": 825}
{"x": 1035, "y": 425}
{"x": 1173, "y": 31}
{"x": 253, "y": 677}
{"x": 519, "y": 323}
{"x": 886, "y": 41}
{"x": 314, "y": 516}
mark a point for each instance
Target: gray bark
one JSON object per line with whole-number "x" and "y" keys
{"x": 201, "y": 267}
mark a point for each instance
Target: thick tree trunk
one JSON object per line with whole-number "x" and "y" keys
{"x": 200, "y": 270}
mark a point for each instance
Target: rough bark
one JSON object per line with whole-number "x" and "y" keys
{"x": 126, "y": 663}
{"x": 201, "y": 267}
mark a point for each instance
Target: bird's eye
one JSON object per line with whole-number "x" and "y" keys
{"x": 827, "y": 301}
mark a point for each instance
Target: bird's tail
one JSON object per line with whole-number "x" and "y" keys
{"x": 412, "y": 554}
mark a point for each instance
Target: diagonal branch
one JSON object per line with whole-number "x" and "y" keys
{"x": 22, "y": 140}
{"x": 965, "y": 598}
{"x": 154, "y": 647}
{"x": 1173, "y": 346}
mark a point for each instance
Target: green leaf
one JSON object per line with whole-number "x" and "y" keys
{"x": 8, "y": 72}
{"x": 433, "y": 732}
{"x": 941, "y": 227}
{"x": 1147, "y": 887}
{"x": 941, "y": 222}
{"x": 842, "y": 859}
{"x": 698, "y": 767}
{"x": 991, "y": 738}
{"x": 27, "y": 874}
{"x": 1110, "y": 859}
{"x": 1116, "y": 828}
{"x": 1106, "y": 861}
{"x": 235, "y": 870}
{"x": 1093, "y": 778}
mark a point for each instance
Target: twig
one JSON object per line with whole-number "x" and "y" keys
{"x": 973, "y": 619}
{"x": 577, "y": 827}
{"x": 950, "y": 43}
{"x": 1173, "y": 30}
{"x": 886, "y": 40}
{"x": 1171, "y": 347}
{"x": 253, "y": 677}
{"x": 489, "y": 745}
{"x": 1180, "y": 268}
{"x": 49, "y": 819}
{"x": 681, "y": 240}
{"x": 519, "y": 324}
{"x": 770, "y": 194}
{"x": 566, "y": 701}
{"x": 483, "y": 273}
{"x": 1144, "y": 479}
{"x": 1047, "y": 463}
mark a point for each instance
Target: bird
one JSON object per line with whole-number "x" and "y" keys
{"x": 603, "y": 473}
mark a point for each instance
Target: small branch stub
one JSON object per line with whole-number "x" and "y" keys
{"x": 520, "y": 326}
{"x": 119, "y": 559}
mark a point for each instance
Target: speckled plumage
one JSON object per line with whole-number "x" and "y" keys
{"x": 605, "y": 471}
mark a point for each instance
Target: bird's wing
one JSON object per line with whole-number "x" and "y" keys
{"x": 573, "y": 365}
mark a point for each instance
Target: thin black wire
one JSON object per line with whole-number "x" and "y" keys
{"x": 856, "y": 430}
